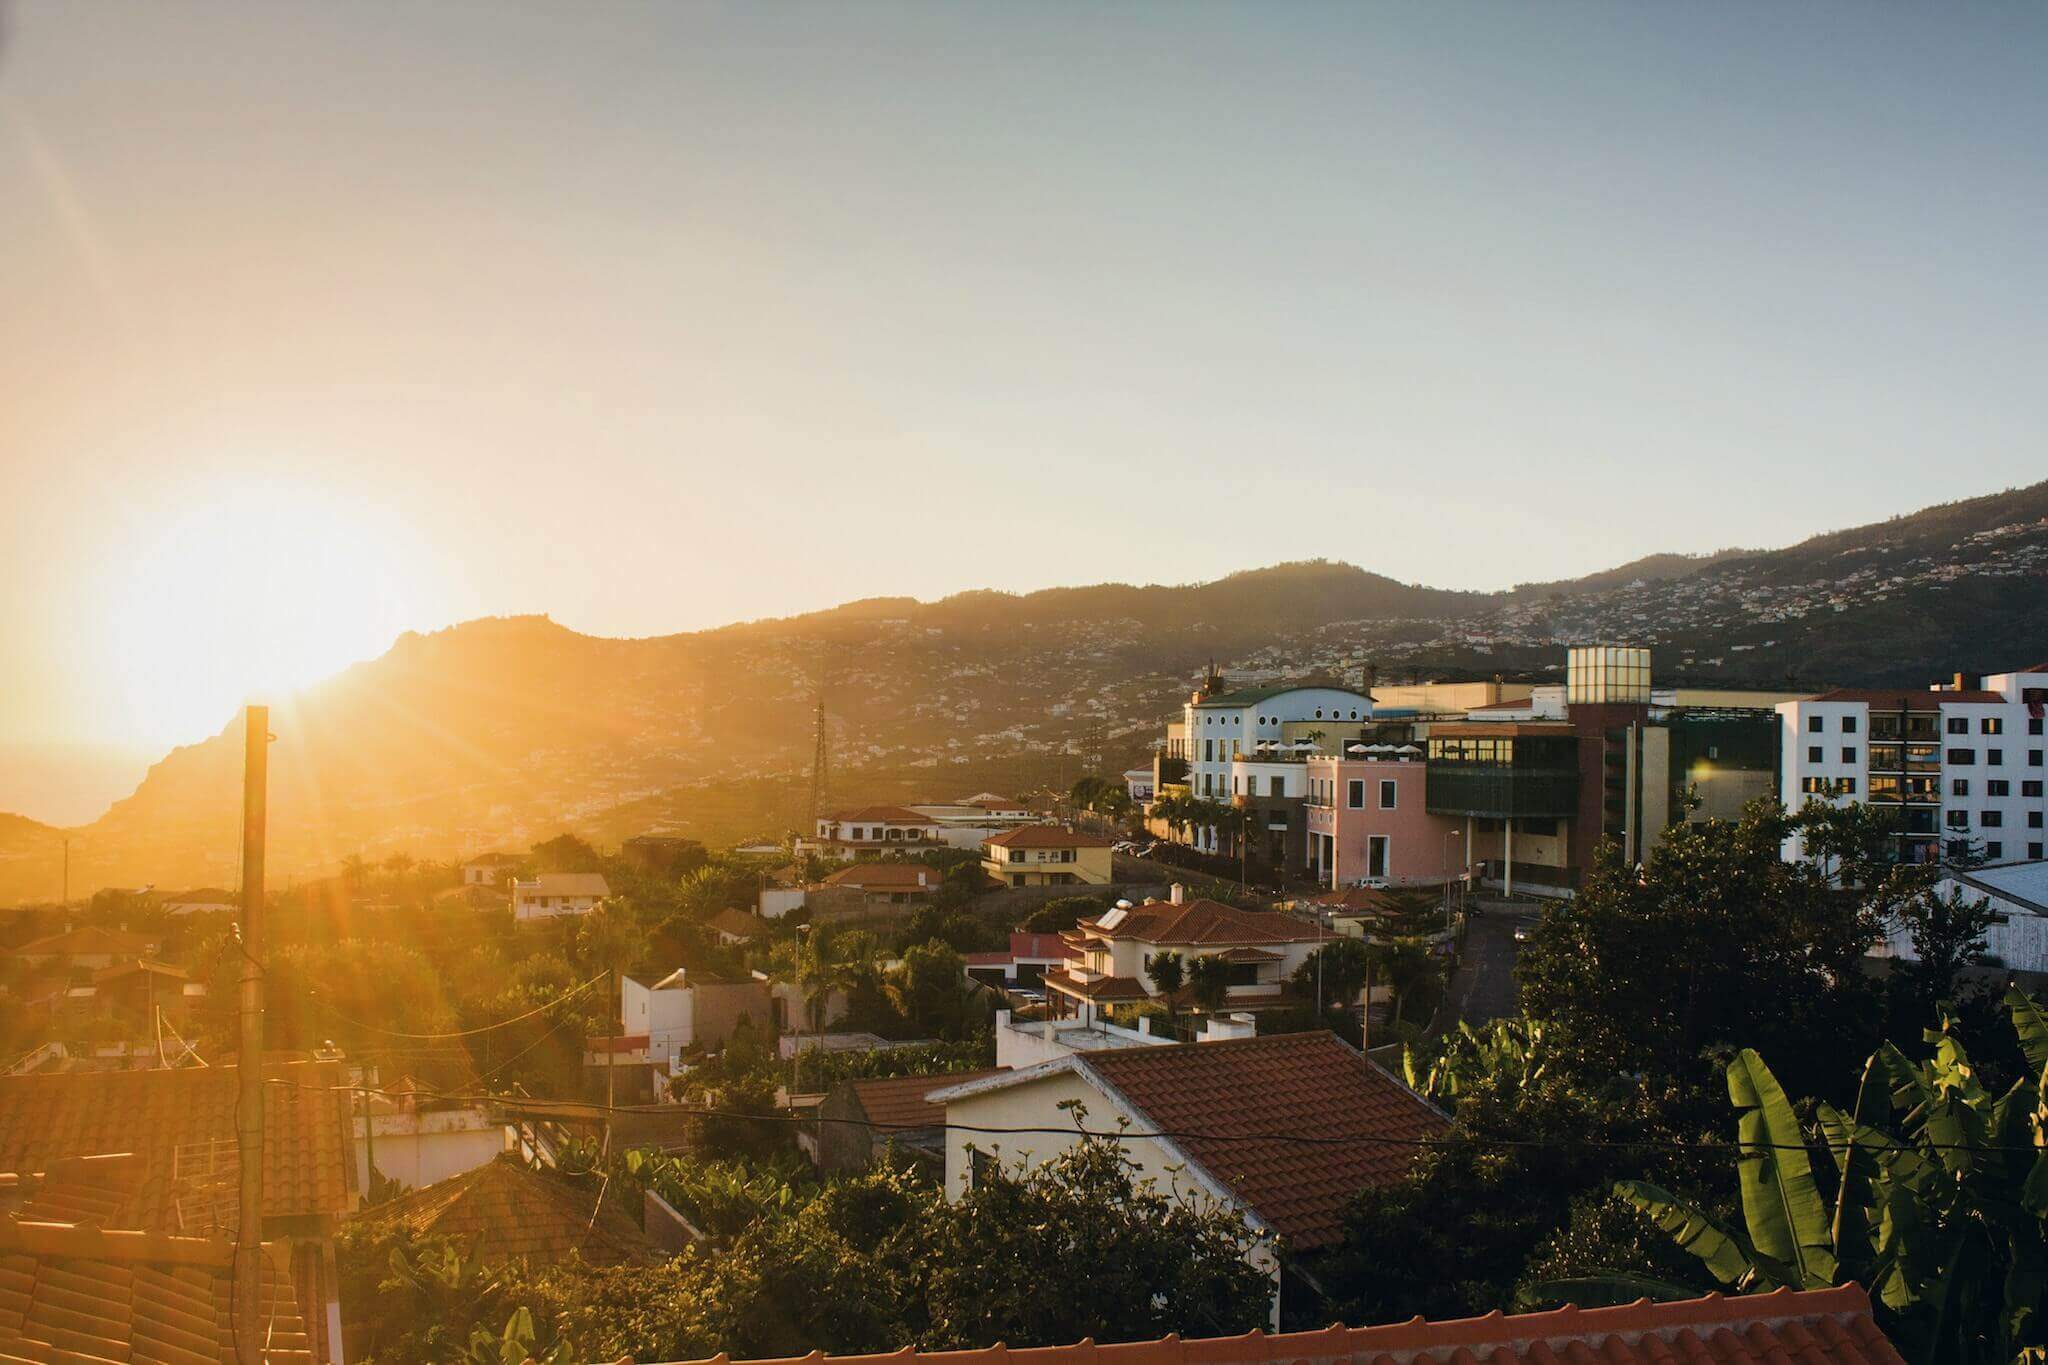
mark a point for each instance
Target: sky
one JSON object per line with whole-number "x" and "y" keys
{"x": 320, "y": 322}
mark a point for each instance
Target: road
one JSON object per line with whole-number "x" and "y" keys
{"x": 1483, "y": 987}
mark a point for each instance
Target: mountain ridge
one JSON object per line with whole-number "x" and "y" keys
{"x": 503, "y": 729}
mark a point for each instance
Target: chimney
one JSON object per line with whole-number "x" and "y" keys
{"x": 1969, "y": 682}
{"x": 1177, "y": 894}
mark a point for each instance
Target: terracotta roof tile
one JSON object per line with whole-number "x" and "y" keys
{"x": 1296, "y": 1083}
{"x": 897, "y": 1102}
{"x": 1046, "y": 836}
{"x": 882, "y": 815}
{"x": 739, "y": 923}
{"x": 1207, "y": 922}
{"x": 181, "y": 1126}
{"x": 1814, "y": 1327}
{"x": 79, "y": 1293}
{"x": 1100, "y": 988}
{"x": 507, "y": 1212}
{"x": 1046, "y": 946}
{"x": 886, "y": 877}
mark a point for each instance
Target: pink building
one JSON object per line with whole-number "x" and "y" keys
{"x": 1368, "y": 821}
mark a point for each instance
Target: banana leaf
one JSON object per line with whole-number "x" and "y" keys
{"x": 2031, "y": 1024}
{"x": 1726, "y": 1252}
{"x": 1787, "y": 1220}
{"x": 1603, "y": 1289}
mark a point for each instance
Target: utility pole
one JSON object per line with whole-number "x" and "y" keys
{"x": 66, "y": 902}
{"x": 611, "y": 1057}
{"x": 248, "y": 1301}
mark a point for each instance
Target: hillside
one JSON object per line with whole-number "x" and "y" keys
{"x": 499, "y": 732}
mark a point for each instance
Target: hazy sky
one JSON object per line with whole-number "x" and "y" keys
{"x": 364, "y": 316}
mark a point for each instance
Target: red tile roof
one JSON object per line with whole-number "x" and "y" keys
{"x": 886, "y": 877}
{"x": 1364, "y": 898}
{"x": 81, "y": 1293}
{"x": 1046, "y": 836}
{"x": 1207, "y": 922}
{"x": 882, "y": 815}
{"x": 898, "y": 1104}
{"x": 181, "y": 1126}
{"x": 90, "y": 941}
{"x": 1812, "y": 1327}
{"x": 738, "y": 923}
{"x": 1904, "y": 698}
{"x": 1242, "y": 1089}
{"x": 1101, "y": 988}
{"x": 506, "y": 1212}
{"x": 1049, "y": 947}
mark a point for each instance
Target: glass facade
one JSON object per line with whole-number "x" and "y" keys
{"x": 1597, "y": 675}
{"x": 1524, "y": 775}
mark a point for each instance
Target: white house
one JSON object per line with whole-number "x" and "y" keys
{"x": 1963, "y": 763}
{"x": 558, "y": 893}
{"x": 417, "y": 1139}
{"x": 485, "y": 869}
{"x": 2017, "y": 895}
{"x": 1219, "y": 726}
{"x": 1204, "y": 1122}
{"x": 870, "y": 830}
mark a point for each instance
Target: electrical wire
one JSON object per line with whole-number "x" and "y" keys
{"x": 569, "y": 994}
{"x": 576, "y": 1108}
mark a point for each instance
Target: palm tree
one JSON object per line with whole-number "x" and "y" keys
{"x": 1209, "y": 978}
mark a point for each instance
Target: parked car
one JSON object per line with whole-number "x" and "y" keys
{"x": 1521, "y": 933}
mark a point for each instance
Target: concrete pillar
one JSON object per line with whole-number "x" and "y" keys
{"x": 1508, "y": 867}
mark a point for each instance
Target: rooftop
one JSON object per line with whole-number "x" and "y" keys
{"x": 507, "y": 1212}
{"x": 1203, "y": 922}
{"x": 181, "y": 1125}
{"x": 886, "y": 876}
{"x": 1813, "y": 1327}
{"x": 1097, "y": 988}
{"x": 1250, "y": 696}
{"x": 73, "y": 1292}
{"x": 1047, "y": 836}
{"x": 567, "y": 884}
{"x": 885, "y": 815}
{"x": 90, "y": 941}
{"x": 897, "y": 1103}
{"x": 1904, "y": 698}
{"x": 1309, "y": 1084}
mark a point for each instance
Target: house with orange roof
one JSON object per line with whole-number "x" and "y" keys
{"x": 875, "y": 883}
{"x": 1811, "y": 1326}
{"x": 859, "y": 1119}
{"x": 179, "y": 1126}
{"x": 869, "y": 832}
{"x": 1047, "y": 855}
{"x": 1113, "y": 974}
{"x": 1202, "y": 1120}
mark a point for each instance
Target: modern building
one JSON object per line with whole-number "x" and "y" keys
{"x": 1209, "y": 1122}
{"x": 1047, "y": 855}
{"x": 681, "y": 1012}
{"x": 1958, "y": 765}
{"x": 1369, "y": 821}
{"x": 551, "y": 894}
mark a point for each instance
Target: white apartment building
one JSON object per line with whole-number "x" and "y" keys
{"x": 1963, "y": 762}
{"x": 1223, "y": 734}
{"x": 558, "y": 893}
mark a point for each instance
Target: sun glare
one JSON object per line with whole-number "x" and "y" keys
{"x": 248, "y": 593}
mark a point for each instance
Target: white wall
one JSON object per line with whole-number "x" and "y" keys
{"x": 419, "y": 1149}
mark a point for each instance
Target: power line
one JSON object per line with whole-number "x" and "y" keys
{"x": 1178, "y": 1135}
{"x": 459, "y": 1033}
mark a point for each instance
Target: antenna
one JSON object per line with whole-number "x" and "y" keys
{"x": 821, "y": 760}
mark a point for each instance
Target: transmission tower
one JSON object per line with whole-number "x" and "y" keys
{"x": 820, "y": 766}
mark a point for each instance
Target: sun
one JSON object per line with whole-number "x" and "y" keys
{"x": 249, "y": 592}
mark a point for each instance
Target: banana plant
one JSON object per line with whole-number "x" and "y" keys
{"x": 1509, "y": 1047}
{"x": 1939, "y": 1207}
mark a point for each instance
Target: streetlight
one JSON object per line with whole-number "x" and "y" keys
{"x": 1449, "y": 835}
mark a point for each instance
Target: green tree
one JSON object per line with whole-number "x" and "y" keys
{"x": 1334, "y": 974}
{"x": 566, "y": 853}
{"x": 1209, "y": 981}
{"x": 1168, "y": 971}
{"x": 1718, "y": 941}
{"x": 1062, "y": 913}
{"x": 930, "y": 989}
{"x": 611, "y": 937}
{"x": 1940, "y": 1199}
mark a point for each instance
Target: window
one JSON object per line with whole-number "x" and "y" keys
{"x": 2033, "y": 758}
{"x": 1994, "y": 757}
{"x": 1848, "y": 725}
{"x": 1958, "y": 819}
{"x": 2034, "y": 725}
{"x": 1816, "y": 724}
{"x": 1991, "y": 725}
{"x": 1355, "y": 794}
{"x": 1208, "y": 751}
{"x": 2033, "y": 819}
{"x": 1998, "y": 786}
{"x": 1390, "y": 791}
{"x": 2034, "y": 852}
{"x": 2031, "y": 787}
{"x": 1959, "y": 725}
{"x": 1962, "y": 757}
{"x": 1376, "y": 855}
{"x": 1849, "y": 754}
{"x": 1959, "y": 786}
{"x": 1992, "y": 819}
{"x": 1813, "y": 753}
{"x": 1845, "y": 786}
{"x": 1994, "y": 850}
